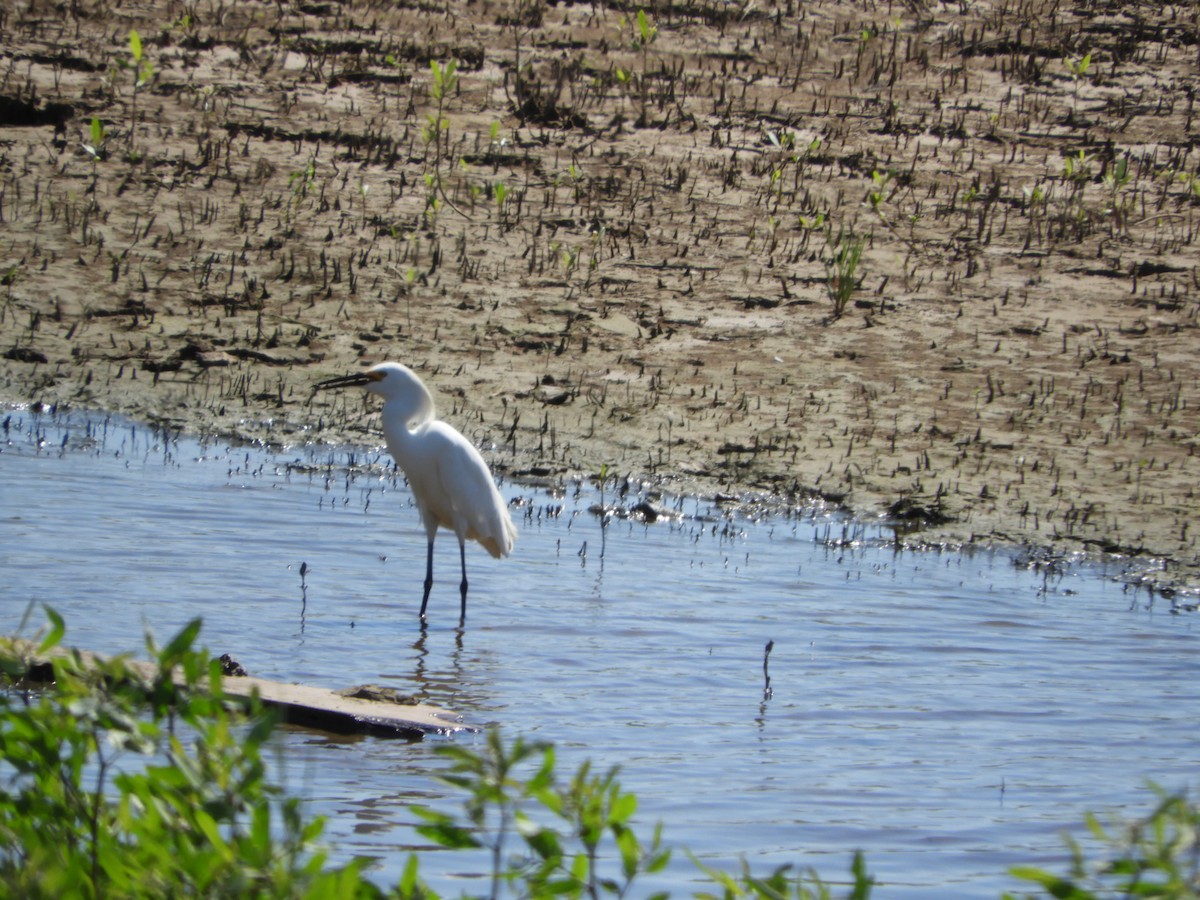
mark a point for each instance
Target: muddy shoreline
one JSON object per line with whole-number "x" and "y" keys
{"x": 925, "y": 261}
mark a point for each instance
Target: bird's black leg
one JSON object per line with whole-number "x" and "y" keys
{"x": 428, "y": 578}
{"x": 462, "y": 555}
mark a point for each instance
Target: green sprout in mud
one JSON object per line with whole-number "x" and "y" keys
{"x": 1078, "y": 168}
{"x": 500, "y": 195}
{"x": 495, "y": 142}
{"x": 1115, "y": 180}
{"x": 398, "y": 64}
{"x": 1191, "y": 183}
{"x": 784, "y": 145}
{"x": 143, "y": 71}
{"x": 784, "y": 156}
{"x": 444, "y": 81}
{"x": 879, "y": 190}
{"x": 574, "y": 178}
{"x": 841, "y": 267}
{"x": 644, "y": 35}
{"x": 301, "y": 181}
{"x": 1078, "y": 68}
{"x": 97, "y": 147}
{"x": 647, "y": 34}
{"x": 567, "y": 257}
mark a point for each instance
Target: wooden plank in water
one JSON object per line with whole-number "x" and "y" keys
{"x": 365, "y": 710}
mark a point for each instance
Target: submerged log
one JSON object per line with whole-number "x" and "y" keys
{"x": 361, "y": 710}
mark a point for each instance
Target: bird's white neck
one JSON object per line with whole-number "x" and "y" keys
{"x": 410, "y": 412}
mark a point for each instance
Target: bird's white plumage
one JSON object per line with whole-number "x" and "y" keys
{"x": 450, "y": 481}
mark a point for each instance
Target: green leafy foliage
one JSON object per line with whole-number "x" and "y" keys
{"x": 563, "y": 840}
{"x": 1157, "y": 855}
{"x": 114, "y": 785}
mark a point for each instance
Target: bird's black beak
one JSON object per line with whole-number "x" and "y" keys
{"x": 362, "y": 378}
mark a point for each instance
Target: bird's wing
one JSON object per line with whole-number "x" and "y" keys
{"x": 476, "y": 507}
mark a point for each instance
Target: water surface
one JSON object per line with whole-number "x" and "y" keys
{"x": 949, "y": 714}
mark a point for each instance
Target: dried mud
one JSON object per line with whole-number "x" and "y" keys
{"x": 613, "y": 241}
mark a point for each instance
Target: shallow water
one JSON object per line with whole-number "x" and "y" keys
{"x": 949, "y": 714}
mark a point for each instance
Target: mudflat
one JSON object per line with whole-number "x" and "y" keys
{"x": 930, "y": 261}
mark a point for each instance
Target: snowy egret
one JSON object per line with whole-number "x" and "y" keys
{"x": 451, "y": 483}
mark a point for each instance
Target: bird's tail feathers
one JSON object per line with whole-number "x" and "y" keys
{"x": 501, "y": 543}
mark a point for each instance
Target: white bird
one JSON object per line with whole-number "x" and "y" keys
{"x": 451, "y": 483}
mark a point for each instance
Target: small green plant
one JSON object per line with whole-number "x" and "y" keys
{"x": 1077, "y": 168}
{"x": 841, "y": 268}
{"x": 398, "y": 63}
{"x": 301, "y": 181}
{"x": 96, "y": 147}
{"x": 783, "y": 882}
{"x": 816, "y": 222}
{"x": 143, "y": 71}
{"x": 500, "y": 195}
{"x": 783, "y": 145}
{"x": 645, "y": 33}
{"x": 496, "y": 144}
{"x": 1115, "y": 180}
{"x": 1078, "y": 67}
{"x": 443, "y": 83}
{"x": 549, "y": 835}
{"x": 879, "y": 190}
{"x": 1191, "y": 184}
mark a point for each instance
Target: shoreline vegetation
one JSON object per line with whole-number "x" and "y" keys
{"x": 930, "y": 262}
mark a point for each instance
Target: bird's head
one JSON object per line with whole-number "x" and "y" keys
{"x": 386, "y": 379}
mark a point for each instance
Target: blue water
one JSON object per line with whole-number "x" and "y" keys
{"x": 949, "y": 714}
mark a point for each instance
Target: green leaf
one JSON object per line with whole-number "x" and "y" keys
{"x": 1053, "y": 885}
{"x": 408, "y": 878}
{"x": 623, "y": 808}
{"x": 862, "y": 880}
{"x": 57, "y": 630}
{"x": 180, "y": 644}
{"x": 452, "y": 837}
{"x": 627, "y": 844}
{"x": 443, "y": 830}
{"x": 208, "y": 826}
{"x": 579, "y": 868}
{"x": 135, "y": 44}
{"x": 544, "y": 842}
